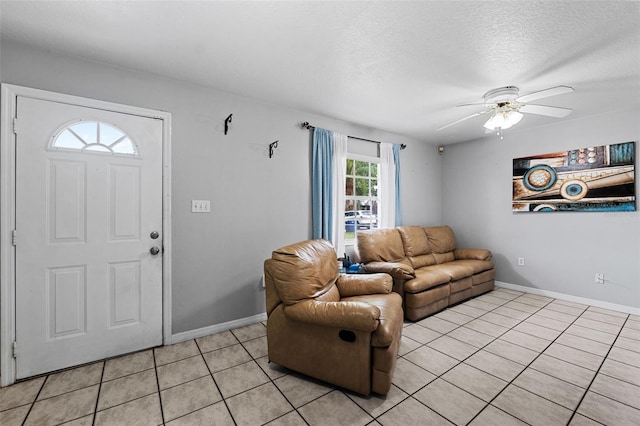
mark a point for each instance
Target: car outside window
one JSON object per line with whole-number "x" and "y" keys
{"x": 361, "y": 196}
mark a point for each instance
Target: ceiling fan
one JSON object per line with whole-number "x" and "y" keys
{"x": 506, "y": 106}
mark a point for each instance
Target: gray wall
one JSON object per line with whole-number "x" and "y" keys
{"x": 258, "y": 204}
{"x": 562, "y": 251}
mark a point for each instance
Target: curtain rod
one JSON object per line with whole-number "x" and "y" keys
{"x": 306, "y": 125}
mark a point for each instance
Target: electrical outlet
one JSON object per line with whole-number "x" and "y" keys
{"x": 262, "y": 280}
{"x": 200, "y": 206}
{"x": 521, "y": 261}
{"x": 599, "y": 278}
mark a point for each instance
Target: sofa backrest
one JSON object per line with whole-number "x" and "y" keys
{"x": 380, "y": 245}
{"x": 416, "y": 246}
{"x": 301, "y": 271}
{"x": 442, "y": 242}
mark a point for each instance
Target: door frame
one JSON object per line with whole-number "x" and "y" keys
{"x": 8, "y": 106}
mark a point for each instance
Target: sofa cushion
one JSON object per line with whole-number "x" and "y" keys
{"x": 414, "y": 240}
{"x": 476, "y": 266}
{"x": 303, "y": 270}
{"x": 453, "y": 270}
{"x": 379, "y": 245}
{"x": 461, "y": 285}
{"x": 472, "y": 253}
{"x": 427, "y": 277}
{"x": 416, "y": 246}
{"x": 441, "y": 239}
{"x": 444, "y": 257}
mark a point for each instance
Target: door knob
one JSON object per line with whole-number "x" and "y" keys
{"x": 154, "y": 250}
{"x": 154, "y": 235}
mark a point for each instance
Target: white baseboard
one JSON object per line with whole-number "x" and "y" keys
{"x": 570, "y": 298}
{"x": 217, "y": 328}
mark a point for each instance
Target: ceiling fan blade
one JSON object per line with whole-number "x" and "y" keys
{"x": 550, "y": 111}
{"x": 463, "y": 119}
{"x": 472, "y": 104}
{"x": 552, "y": 91}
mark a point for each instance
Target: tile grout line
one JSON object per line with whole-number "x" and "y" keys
{"x": 596, "y": 375}
{"x": 35, "y": 400}
{"x": 539, "y": 353}
{"x": 512, "y": 380}
{"x": 95, "y": 409}
{"x": 155, "y": 369}
{"x": 462, "y": 361}
{"x": 273, "y": 381}
{"x": 224, "y": 400}
{"x": 524, "y": 369}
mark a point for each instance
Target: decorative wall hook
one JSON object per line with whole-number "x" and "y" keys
{"x": 273, "y": 145}
{"x": 226, "y": 123}
{"x": 402, "y": 146}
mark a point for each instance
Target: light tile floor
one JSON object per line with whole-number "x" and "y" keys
{"x": 504, "y": 358}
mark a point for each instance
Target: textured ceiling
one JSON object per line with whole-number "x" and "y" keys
{"x": 399, "y": 66}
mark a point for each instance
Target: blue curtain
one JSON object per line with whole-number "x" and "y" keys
{"x": 322, "y": 184}
{"x": 396, "y": 160}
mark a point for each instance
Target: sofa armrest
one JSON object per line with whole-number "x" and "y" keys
{"x": 361, "y": 284}
{"x": 397, "y": 270}
{"x": 468, "y": 253}
{"x": 348, "y": 315}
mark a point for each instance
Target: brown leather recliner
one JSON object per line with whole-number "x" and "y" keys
{"x": 342, "y": 329}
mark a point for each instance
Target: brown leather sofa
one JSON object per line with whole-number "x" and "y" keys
{"x": 428, "y": 270}
{"x": 342, "y": 329}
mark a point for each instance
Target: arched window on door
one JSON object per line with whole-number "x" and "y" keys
{"x": 94, "y": 137}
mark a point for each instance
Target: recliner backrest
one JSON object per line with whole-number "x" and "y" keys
{"x": 380, "y": 245}
{"x": 301, "y": 271}
{"x": 416, "y": 246}
{"x": 442, "y": 242}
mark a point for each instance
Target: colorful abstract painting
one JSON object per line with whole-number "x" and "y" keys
{"x": 592, "y": 179}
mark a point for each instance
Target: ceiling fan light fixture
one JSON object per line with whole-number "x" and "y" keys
{"x": 511, "y": 119}
{"x": 503, "y": 120}
{"x": 494, "y": 122}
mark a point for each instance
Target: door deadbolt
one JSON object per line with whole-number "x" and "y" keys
{"x": 154, "y": 250}
{"x": 154, "y": 235}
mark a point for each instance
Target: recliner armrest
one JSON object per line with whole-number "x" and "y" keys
{"x": 348, "y": 315}
{"x": 470, "y": 253}
{"x": 397, "y": 270}
{"x": 362, "y": 284}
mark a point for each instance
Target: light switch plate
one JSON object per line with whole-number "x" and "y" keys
{"x": 200, "y": 206}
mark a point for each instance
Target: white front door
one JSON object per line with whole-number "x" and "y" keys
{"x": 88, "y": 207}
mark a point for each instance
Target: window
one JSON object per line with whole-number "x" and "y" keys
{"x": 361, "y": 195}
{"x": 94, "y": 136}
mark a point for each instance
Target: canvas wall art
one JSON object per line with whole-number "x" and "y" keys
{"x": 592, "y": 179}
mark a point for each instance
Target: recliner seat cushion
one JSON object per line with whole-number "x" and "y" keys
{"x": 426, "y": 278}
{"x": 454, "y": 270}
